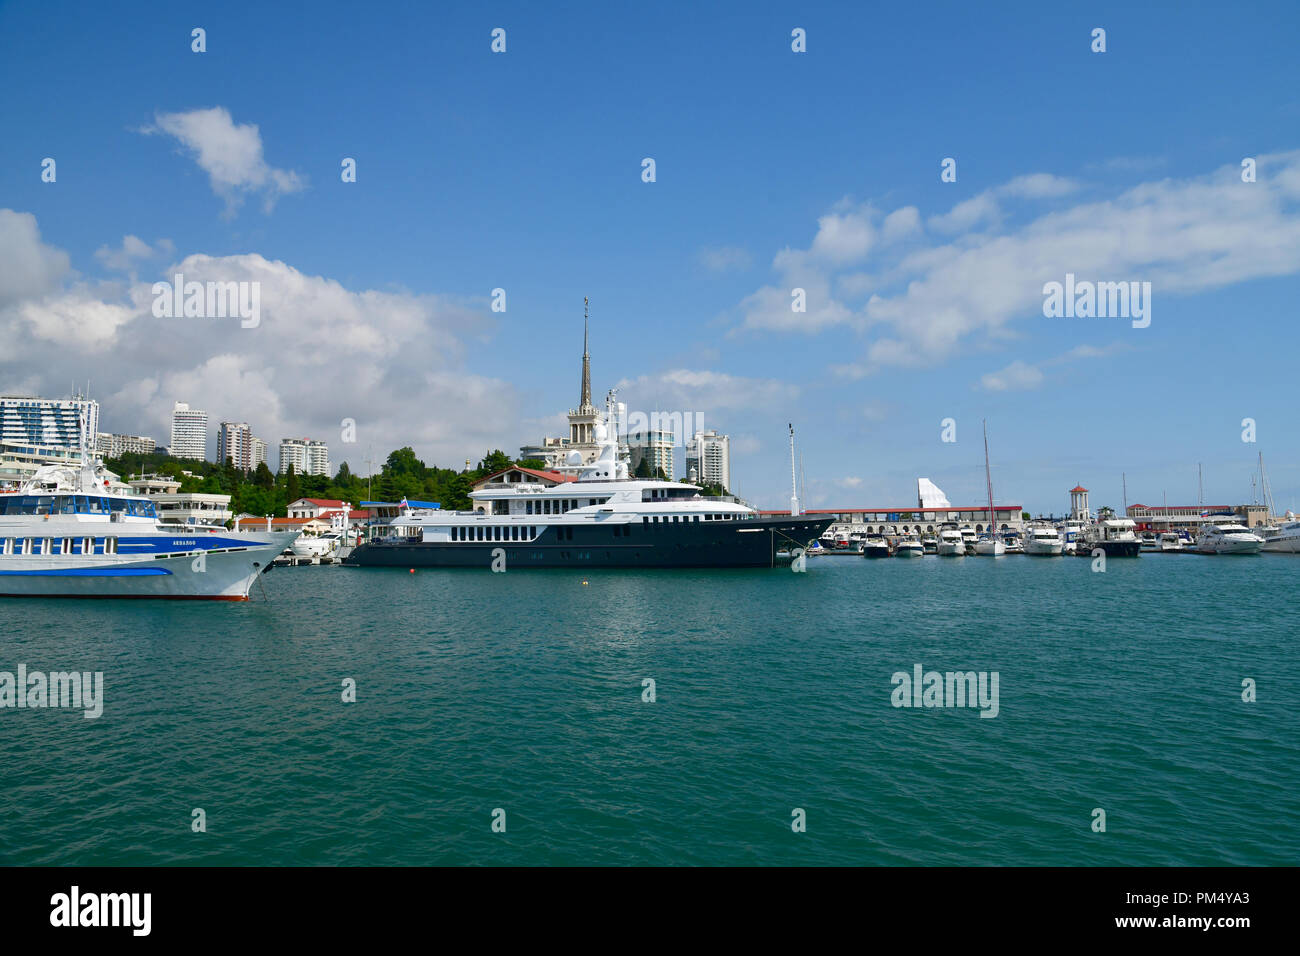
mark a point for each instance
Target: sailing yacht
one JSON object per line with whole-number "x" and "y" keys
{"x": 990, "y": 543}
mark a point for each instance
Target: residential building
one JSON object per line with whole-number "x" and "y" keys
{"x": 189, "y": 432}
{"x": 307, "y": 455}
{"x": 235, "y": 442}
{"x": 258, "y": 452}
{"x": 48, "y": 421}
{"x": 115, "y": 446}
{"x": 708, "y": 459}
{"x": 654, "y": 447}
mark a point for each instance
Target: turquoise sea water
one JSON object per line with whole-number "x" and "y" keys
{"x": 523, "y": 691}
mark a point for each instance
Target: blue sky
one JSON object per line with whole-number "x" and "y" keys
{"x": 774, "y": 170}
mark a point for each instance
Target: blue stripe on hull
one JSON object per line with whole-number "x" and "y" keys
{"x": 87, "y": 573}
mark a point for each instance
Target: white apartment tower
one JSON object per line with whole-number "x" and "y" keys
{"x": 308, "y": 456}
{"x": 48, "y": 421}
{"x": 709, "y": 455}
{"x": 189, "y": 432}
{"x": 235, "y": 441}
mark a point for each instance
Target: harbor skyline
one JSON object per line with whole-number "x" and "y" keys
{"x": 482, "y": 172}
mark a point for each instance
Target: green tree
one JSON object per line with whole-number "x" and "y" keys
{"x": 292, "y": 487}
{"x": 643, "y": 469}
{"x": 494, "y": 461}
{"x": 262, "y": 477}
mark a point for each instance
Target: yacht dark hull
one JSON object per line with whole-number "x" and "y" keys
{"x": 705, "y": 544}
{"x": 1115, "y": 549}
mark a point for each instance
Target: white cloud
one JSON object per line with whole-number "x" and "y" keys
{"x": 1018, "y": 375}
{"x": 1183, "y": 236}
{"x": 231, "y": 155}
{"x": 901, "y": 224}
{"x": 31, "y": 268}
{"x": 725, "y": 259}
{"x": 394, "y": 361}
{"x": 132, "y": 251}
{"x": 704, "y": 392}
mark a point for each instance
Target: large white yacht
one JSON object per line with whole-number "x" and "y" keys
{"x": 1229, "y": 538}
{"x": 1284, "y": 539}
{"x": 1043, "y": 539}
{"x": 62, "y": 534}
{"x": 596, "y": 517}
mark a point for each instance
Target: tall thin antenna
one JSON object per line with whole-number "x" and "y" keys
{"x": 1200, "y": 486}
{"x": 794, "y": 488}
{"x": 1124, "y": 478}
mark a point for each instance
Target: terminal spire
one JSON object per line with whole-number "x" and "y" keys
{"x": 584, "y": 404}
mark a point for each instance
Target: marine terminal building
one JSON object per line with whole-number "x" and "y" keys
{"x": 904, "y": 520}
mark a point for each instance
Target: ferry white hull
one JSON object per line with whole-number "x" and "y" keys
{"x": 952, "y": 549}
{"x": 219, "y": 574}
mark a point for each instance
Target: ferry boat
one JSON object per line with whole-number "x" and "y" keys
{"x": 597, "y": 517}
{"x": 63, "y": 534}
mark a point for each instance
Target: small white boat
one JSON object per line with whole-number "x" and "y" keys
{"x": 1072, "y": 532}
{"x": 1148, "y": 541}
{"x": 1228, "y": 539}
{"x": 908, "y": 547}
{"x": 951, "y": 543}
{"x": 1043, "y": 539}
{"x": 1015, "y": 544}
{"x": 931, "y": 544}
{"x": 316, "y": 546}
{"x": 990, "y": 546}
{"x": 874, "y": 546}
{"x": 1172, "y": 541}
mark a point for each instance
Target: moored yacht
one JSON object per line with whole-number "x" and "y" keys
{"x": 951, "y": 544}
{"x": 1114, "y": 537}
{"x": 990, "y": 543}
{"x": 908, "y": 546}
{"x": 592, "y": 516}
{"x": 874, "y": 546}
{"x": 1284, "y": 539}
{"x": 1043, "y": 539}
{"x": 1228, "y": 539}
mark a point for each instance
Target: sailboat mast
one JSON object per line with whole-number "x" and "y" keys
{"x": 988, "y": 476}
{"x": 794, "y": 487}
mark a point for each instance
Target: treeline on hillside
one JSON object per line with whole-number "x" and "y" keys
{"x": 261, "y": 492}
